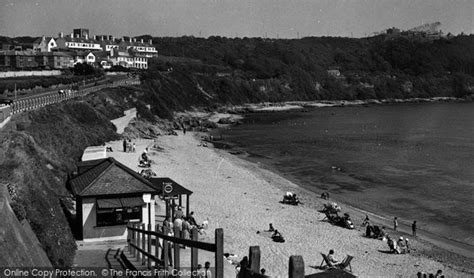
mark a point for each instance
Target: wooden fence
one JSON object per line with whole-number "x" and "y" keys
{"x": 295, "y": 268}
{"x": 140, "y": 241}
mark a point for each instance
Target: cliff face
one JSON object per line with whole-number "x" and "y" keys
{"x": 18, "y": 244}
{"x": 37, "y": 151}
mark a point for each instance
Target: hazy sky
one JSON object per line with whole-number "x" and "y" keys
{"x": 231, "y": 18}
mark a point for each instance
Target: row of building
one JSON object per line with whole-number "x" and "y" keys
{"x": 65, "y": 51}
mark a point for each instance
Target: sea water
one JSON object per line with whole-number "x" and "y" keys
{"x": 413, "y": 161}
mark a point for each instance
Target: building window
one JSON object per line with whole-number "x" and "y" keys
{"x": 118, "y": 216}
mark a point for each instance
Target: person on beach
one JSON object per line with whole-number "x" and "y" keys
{"x": 179, "y": 213}
{"x": 407, "y": 246}
{"x": 271, "y": 229}
{"x": 178, "y": 222}
{"x": 395, "y": 223}
{"x": 366, "y": 221}
{"x": 167, "y": 226}
{"x": 186, "y": 228}
{"x": 133, "y": 147}
{"x": 192, "y": 220}
{"x": 242, "y": 267}
{"x": 207, "y": 272}
{"x": 124, "y": 145}
{"x": 401, "y": 245}
{"x": 331, "y": 258}
{"x": 413, "y": 228}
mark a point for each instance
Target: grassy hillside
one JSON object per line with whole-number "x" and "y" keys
{"x": 37, "y": 151}
{"x": 222, "y": 70}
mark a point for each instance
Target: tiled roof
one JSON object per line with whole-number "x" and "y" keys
{"x": 108, "y": 177}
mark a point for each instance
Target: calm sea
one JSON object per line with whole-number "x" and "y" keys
{"x": 414, "y": 161}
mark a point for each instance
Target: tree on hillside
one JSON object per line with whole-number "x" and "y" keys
{"x": 83, "y": 69}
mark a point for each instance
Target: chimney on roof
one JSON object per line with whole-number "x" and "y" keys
{"x": 123, "y": 39}
{"x": 61, "y": 34}
{"x": 112, "y": 38}
{"x": 141, "y": 40}
{"x": 130, "y": 39}
{"x": 151, "y": 41}
{"x": 86, "y": 36}
{"x": 72, "y": 35}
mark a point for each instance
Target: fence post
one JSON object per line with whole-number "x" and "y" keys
{"x": 176, "y": 249}
{"x": 139, "y": 235}
{"x": 194, "y": 251}
{"x": 219, "y": 256}
{"x": 129, "y": 238}
{"x": 143, "y": 244}
{"x": 254, "y": 259}
{"x": 157, "y": 243}
{"x": 296, "y": 268}
{"x": 148, "y": 250}
{"x": 165, "y": 254}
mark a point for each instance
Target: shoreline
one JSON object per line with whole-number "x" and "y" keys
{"x": 301, "y": 105}
{"x": 242, "y": 198}
{"x": 449, "y": 244}
{"x": 427, "y": 238}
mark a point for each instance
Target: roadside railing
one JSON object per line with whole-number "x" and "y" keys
{"x": 40, "y": 100}
{"x": 141, "y": 240}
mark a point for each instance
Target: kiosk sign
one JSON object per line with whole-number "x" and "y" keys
{"x": 167, "y": 188}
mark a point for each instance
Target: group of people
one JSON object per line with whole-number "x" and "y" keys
{"x": 290, "y": 198}
{"x": 185, "y": 224}
{"x": 276, "y": 236}
{"x": 398, "y": 247}
{"x": 128, "y": 146}
{"x": 144, "y": 160}
{"x": 439, "y": 274}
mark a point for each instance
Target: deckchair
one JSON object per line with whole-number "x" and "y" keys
{"x": 326, "y": 260}
{"x": 346, "y": 263}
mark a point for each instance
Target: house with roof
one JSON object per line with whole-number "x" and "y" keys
{"x": 84, "y": 57}
{"x": 108, "y": 196}
{"x": 71, "y": 44}
{"x": 44, "y": 44}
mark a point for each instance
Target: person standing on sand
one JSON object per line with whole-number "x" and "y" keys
{"x": 413, "y": 228}
{"x": 124, "y": 145}
{"x": 395, "y": 223}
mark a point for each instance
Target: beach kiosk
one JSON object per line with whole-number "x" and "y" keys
{"x": 171, "y": 192}
{"x": 109, "y": 195}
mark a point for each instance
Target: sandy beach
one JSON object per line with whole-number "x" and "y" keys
{"x": 243, "y": 198}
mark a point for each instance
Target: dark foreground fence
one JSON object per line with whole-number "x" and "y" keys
{"x": 252, "y": 270}
{"x": 144, "y": 244}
